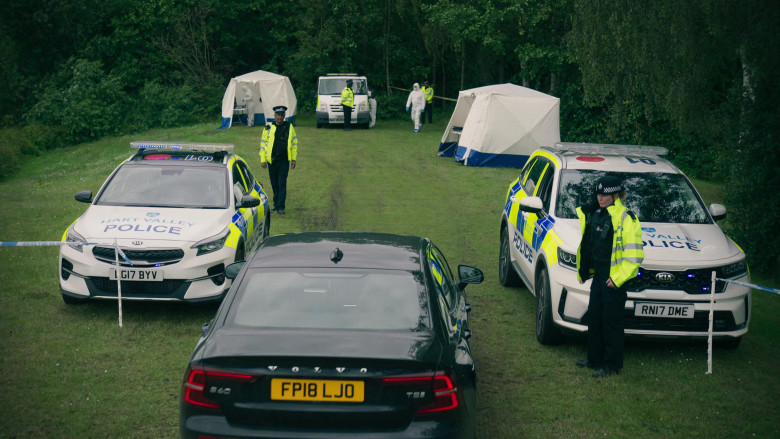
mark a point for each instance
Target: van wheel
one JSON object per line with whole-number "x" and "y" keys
{"x": 546, "y": 331}
{"x": 506, "y": 273}
{"x": 319, "y": 125}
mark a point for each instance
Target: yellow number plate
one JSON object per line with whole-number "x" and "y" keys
{"x": 316, "y": 390}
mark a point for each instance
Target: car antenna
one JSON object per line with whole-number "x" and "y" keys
{"x": 336, "y": 255}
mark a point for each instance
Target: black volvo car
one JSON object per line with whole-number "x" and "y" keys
{"x": 336, "y": 335}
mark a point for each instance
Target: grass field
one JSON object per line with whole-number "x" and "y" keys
{"x": 71, "y": 372}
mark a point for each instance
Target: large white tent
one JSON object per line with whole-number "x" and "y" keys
{"x": 500, "y": 125}
{"x": 267, "y": 90}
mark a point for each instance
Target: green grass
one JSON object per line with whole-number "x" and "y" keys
{"x": 70, "y": 371}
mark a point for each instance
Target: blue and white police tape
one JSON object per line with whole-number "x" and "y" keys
{"x": 744, "y": 284}
{"x": 58, "y": 243}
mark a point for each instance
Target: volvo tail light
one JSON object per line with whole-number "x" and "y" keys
{"x": 197, "y": 390}
{"x": 441, "y": 384}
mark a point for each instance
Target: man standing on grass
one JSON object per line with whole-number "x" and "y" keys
{"x": 347, "y": 102}
{"x": 278, "y": 151}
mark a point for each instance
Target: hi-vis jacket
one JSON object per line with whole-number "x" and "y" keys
{"x": 348, "y": 97}
{"x": 267, "y": 143}
{"x": 428, "y": 92}
{"x": 627, "y": 252}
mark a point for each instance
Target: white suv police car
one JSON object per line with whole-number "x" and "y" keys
{"x": 670, "y": 297}
{"x": 179, "y": 214}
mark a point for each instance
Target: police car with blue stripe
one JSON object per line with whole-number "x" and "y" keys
{"x": 683, "y": 245}
{"x": 179, "y": 213}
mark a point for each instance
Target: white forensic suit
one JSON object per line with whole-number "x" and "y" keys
{"x": 417, "y": 102}
{"x": 249, "y": 101}
{"x": 372, "y": 109}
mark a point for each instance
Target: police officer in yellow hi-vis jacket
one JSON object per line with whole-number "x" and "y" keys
{"x": 278, "y": 158}
{"x": 610, "y": 252}
{"x": 347, "y": 102}
{"x": 428, "y": 92}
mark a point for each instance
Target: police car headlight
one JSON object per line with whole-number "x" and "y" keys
{"x": 212, "y": 243}
{"x": 733, "y": 270}
{"x": 567, "y": 259}
{"x": 76, "y": 239}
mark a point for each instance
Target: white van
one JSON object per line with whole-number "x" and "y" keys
{"x": 329, "y": 108}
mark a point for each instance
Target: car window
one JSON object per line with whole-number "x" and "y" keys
{"x": 166, "y": 186}
{"x": 545, "y": 188}
{"x": 534, "y": 175}
{"x": 238, "y": 178}
{"x": 332, "y": 299}
{"x": 527, "y": 169}
{"x": 653, "y": 197}
{"x": 248, "y": 177}
{"x": 445, "y": 286}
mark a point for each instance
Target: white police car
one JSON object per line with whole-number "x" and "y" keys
{"x": 179, "y": 214}
{"x": 670, "y": 297}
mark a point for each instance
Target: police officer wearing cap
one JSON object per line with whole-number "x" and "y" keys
{"x": 347, "y": 102}
{"x": 428, "y": 92}
{"x": 278, "y": 152}
{"x": 610, "y": 253}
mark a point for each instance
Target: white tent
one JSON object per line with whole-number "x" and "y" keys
{"x": 500, "y": 125}
{"x": 267, "y": 90}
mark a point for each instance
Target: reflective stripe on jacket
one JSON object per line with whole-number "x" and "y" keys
{"x": 627, "y": 252}
{"x": 348, "y": 97}
{"x": 267, "y": 143}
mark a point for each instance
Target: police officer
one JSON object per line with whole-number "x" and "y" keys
{"x": 347, "y": 102}
{"x": 610, "y": 252}
{"x": 428, "y": 92}
{"x": 278, "y": 152}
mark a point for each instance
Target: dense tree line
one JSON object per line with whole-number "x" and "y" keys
{"x": 700, "y": 77}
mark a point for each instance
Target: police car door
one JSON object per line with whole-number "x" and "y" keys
{"x": 524, "y": 236}
{"x": 247, "y": 219}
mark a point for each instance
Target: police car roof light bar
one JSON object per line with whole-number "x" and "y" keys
{"x": 608, "y": 148}
{"x": 183, "y": 146}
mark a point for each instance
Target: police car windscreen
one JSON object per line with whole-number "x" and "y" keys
{"x": 334, "y": 86}
{"x": 653, "y": 197}
{"x": 166, "y": 186}
{"x": 388, "y": 300}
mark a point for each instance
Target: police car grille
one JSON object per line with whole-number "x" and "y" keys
{"x": 691, "y": 281}
{"x": 139, "y": 257}
{"x": 164, "y": 288}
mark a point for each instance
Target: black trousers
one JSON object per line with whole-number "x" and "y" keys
{"x": 278, "y": 171}
{"x": 606, "y": 332}
{"x": 429, "y": 111}
{"x": 347, "y": 117}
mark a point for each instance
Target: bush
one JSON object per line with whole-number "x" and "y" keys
{"x": 81, "y": 99}
{"x": 161, "y": 106}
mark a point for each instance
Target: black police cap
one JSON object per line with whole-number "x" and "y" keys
{"x": 281, "y": 109}
{"x": 609, "y": 184}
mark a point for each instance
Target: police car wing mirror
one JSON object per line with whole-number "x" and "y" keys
{"x": 469, "y": 275}
{"x": 231, "y": 271}
{"x": 84, "y": 196}
{"x": 531, "y": 204}
{"x": 718, "y": 211}
{"x": 249, "y": 201}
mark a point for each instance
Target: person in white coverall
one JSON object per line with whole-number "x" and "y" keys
{"x": 372, "y": 109}
{"x": 417, "y": 102}
{"x": 249, "y": 101}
